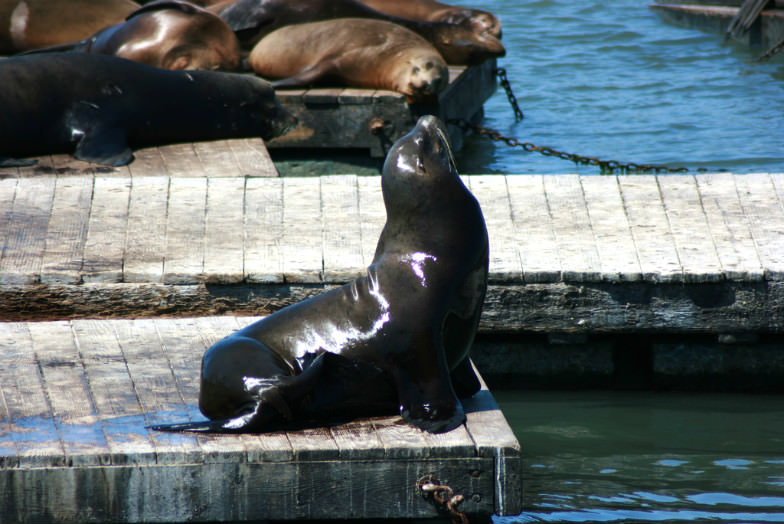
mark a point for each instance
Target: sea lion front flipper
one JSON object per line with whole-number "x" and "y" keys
{"x": 306, "y": 76}
{"x": 104, "y": 146}
{"x": 17, "y": 162}
{"x": 464, "y": 379}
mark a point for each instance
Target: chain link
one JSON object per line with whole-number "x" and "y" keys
{"x": 501, "y": 74}
{"x": 443, "y": 495}
{"x": 606, "y": 166}
{"x": 772, "y": 51}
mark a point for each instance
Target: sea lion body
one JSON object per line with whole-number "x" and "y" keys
{"x": 395, "y": 339}
{"x": 170, "y": 34}
{"x": 31, "y": 24}
{"x": 251, "y": 20}
{"x": 101, "y": 107}
{"x": 354, "y": 52}
{"x": 433, "y": 11}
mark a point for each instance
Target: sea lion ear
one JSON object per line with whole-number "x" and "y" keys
{"x": 177, "y": 61}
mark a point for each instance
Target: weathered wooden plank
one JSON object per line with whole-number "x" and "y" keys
{"x": 373, "y": 213}
{"x": 25, "y": 242}
{"x": 493, "y": 196}
{"x": 572, "y": 228}
{"x": 66, "y": 387}
{"x": 399, "y": 439}
{"x": 111, "y": 388}
{"x": 147, "y": 162}
{"x": 536, "y": 241}
{"x": 67, "y": 230}
{"x": 341, "y": 228}
{"x": 146, "y": 236}
{"x": 728, "y": 228}
{"x": 104, "y": 248}
{"x": 263, "y": 230}
{"x": 689, "y": 227}
{"x": 29, "y": 414}
{"x": 301, "y": 245}
{"x": 181, "y": 160}
{"x": 184, "y": 258}
{"x": 217, "y": 158}
{"x": 252, "y": 157}
{"x": 763, "y": 210}
{"x": 645, "y": 211}
{"x": 614, "y": 243}
{"x": 223, "y": 230}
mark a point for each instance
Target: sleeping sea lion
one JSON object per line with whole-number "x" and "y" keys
{"x": 356, "y": 52}
{"x": 432, "y": 11}
{"x": 253, "y": 19}
{"x": 30, "y": 24}
{"x": 395, "y": 339}
{"x": 170, "y": 34}
{"x": 100, "y": 107}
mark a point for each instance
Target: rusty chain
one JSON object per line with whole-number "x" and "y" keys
{"x": 770, "y": 52}
{"x": 444, "y": 496}
{"x": 606, "y": 166}
{"x": 500, "y": 72}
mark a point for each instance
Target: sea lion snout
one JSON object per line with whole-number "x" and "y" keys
{"x": 427, "y": 78}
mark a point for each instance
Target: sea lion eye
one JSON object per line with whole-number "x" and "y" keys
{"x": 415, "y": 69}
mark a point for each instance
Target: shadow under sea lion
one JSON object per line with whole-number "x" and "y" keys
{"x": 100, "y": 108}
{"x": 170, "y": 34}
{"x": 353, "y": 52}
{"x": 251, "y": 20}
{"x": 395, "y": 339}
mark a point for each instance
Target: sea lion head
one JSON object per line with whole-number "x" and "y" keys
{"x": 258, "y": 107}
{"x": 461, "y": 46}
{"x": 419, "y": 168}
{"x": 425, "y": 76}
{"x": 474, "y": 19}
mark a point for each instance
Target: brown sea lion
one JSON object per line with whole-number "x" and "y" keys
{"x": 30, "y": 24}
{"x": 395, "y": 339}
{"x": 101, "y": 107}
{"x": 355, "y": 52}
{"x": 253, "y": 19}
{"x": 432, "y": 11}
{"x": 170, "y": 34}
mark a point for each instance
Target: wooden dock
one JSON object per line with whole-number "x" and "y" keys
{"x": 347, "y": 118}
{"x": 77, "y": 395}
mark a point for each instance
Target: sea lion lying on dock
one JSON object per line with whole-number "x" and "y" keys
{"x": 395, "y": 339}
{"x": 31, "y": 24}
{"x": 100, "y": 107}
{"x": 170, "y": 34}
{"x": 356, "y": 52}
{"x": 251, "y": 20}
{"x": 432, "y": 11}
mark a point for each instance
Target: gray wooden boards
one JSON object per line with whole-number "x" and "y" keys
{"x": 340, "y": 118}
{"x": 77, "y": 395}
{"x": 677, "y": 253}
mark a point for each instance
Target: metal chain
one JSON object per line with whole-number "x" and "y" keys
{"x": 772, "y": 51}
{"x": 443, "y": 495}
{"x": 606, "y": 166}
{"x": 501, "y": 74}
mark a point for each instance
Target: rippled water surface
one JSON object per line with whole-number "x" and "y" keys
{"x": 611, "y": 79}
{"x": 649, "y": 457}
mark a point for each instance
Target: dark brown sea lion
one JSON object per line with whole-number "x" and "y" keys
{"x": 170, "y": 34}
{"x": 30, "y": 24}
{"x": 253, "y": 19}
{"x": 100, "y": 107}
{"x": 356, "y": 52}
{"x": 397, "y": 338}
{"x": 432, "y": 11}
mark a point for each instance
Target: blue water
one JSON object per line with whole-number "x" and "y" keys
{"x": 669, "y": 458}
{"x": 611, "y": 79}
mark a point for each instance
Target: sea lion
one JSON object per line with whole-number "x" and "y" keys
{"x": 356, "y": 52}
{"x": 30, "y": 24}
{"x": 100, "y": 107}
{"x": 251, "y": 20}
{"x": 170, "y": 34}
{"x": 432, "y": 11}
{"x": 395, "y": 339}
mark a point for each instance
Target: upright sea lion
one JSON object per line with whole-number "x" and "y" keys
{"x": 433, "y": 11}
{"x": 356, "y": 52}
{"x": 100, "y": 107}
{"x": 397, "y": 338}
{"x": 251, "y": 20}
{"x": 30, "y": 24}
{"x": 170, "y": 34}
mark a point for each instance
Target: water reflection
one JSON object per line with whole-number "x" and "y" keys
{"x": 649, "y": 457}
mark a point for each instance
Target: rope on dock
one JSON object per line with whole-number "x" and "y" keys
{"x": 444, "y": 496}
